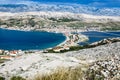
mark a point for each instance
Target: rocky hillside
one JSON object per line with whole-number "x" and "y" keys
{"x": 30, "y": 64}
{"x": 59, "y": 7}
{"x": 40, "y": 20}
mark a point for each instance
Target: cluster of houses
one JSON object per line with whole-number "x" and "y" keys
{"x": 5, "y": 54}
{"x": 60, "y": 48}
{"x": 72, "y": 40}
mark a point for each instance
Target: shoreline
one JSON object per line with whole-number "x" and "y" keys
{"x": 82, "y": 37}
{"x": 64, "y": 45}
{"x": 47, "y": 62}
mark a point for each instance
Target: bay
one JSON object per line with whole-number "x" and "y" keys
{"x": 29, "y": 40}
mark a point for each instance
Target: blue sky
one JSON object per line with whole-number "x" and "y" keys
{"x": 96, "y": 3}
{"x": 99, "y": 3}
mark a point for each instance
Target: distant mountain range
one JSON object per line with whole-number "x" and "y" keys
{"x": 59, "y": 7}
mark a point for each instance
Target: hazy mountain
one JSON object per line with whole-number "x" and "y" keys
{"x": 59, "y": 7}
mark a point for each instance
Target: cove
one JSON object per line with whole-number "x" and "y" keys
{"x": 29, "y": 40}
{"x": 95, "y": 36}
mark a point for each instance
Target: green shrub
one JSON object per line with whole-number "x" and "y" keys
{"x": 2, "y": 78}
{"x": 17, "y": 78}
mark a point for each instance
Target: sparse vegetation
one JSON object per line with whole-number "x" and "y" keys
{"x": 2, "y": 60}
{"x": 62, "y": 74}
{"x": 2, "y": 78}
{"x": 76, "y": 48}
{"x": 102, "y": 26}
{"x": 92, "y": 75}
{"x": 17, "y": 78}
{"x": 69, "y": 22}
{"x": 63, "y": 19}
{"x": 72, "y": 48}
{"x": 74, "y": 73}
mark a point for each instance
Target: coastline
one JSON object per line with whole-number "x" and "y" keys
{"x": 50, "y": 61}
{"x": 65, "y": 43}
{"x": 62, "y": 43}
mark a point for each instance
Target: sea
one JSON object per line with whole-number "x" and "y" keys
{"x": 95, "y": 36}
{"x": 29, "y": 40}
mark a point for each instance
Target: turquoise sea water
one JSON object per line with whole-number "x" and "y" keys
{"x": 30, "y": 40}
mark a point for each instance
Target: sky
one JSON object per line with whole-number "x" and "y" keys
{"x": 95, "y": 3}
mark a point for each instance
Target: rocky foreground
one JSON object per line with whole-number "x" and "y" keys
{"x": 29, "y": 65}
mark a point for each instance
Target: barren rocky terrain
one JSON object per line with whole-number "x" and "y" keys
{"x": 30, "y": 64}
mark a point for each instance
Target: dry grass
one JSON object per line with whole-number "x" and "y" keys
{"x": 62, "y": 74}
